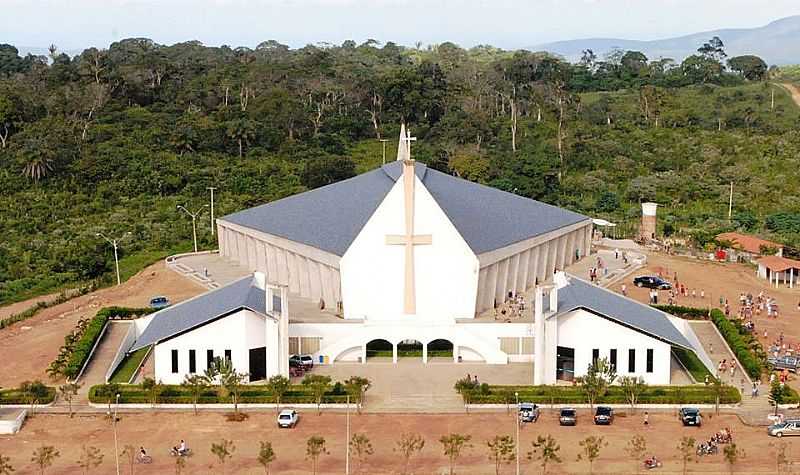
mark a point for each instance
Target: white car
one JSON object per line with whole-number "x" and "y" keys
{"x": 288, "y": 418}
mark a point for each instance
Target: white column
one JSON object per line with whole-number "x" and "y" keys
{"x": 455, "y": 353}
{"x": 364, "y": 354}
{"x": 524, "y": 268}
{"x": 513, "y": 273}
{"x": 425, "y": 353}
{"x": 538, "y": 338}
{"x": 394, "y": 353}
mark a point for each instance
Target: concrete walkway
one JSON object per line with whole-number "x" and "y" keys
{"x": 104, "y": 355}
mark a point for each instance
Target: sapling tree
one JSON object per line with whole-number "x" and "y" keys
{"x": 223, "y": 450}
{"x": 361, "y": 448}
{"x": 453, "y": 445}
{"x": 319, "y": 385}
{"x": 357, "y": 387}
{"x": 90, "y": 458}
{"x": 599, "y": 376}
{"x": 590, "y": 450}
{"x": 315, "y": 447}
{"x": 266, "y": 455}
{"x": 633, "y": 387}
{"x": 5, "y": 465}
{"x": 408, "y": 446}
{"x": 501, "y": 451}
{"x": 636, "y": 450}
{"x": 68, "y": 391}
{"x": 545, "y": 451}
{"x": 686, "y": 451}
{"x": 44, "y": 456}
{"x": 278, "y": 385}
{"x": 732, "y": 455}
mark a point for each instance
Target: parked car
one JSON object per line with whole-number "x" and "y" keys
{"x": 604, "y": 415}
{"x": 790, "y": 427}
{"x": 303, "y": 361}
{"x": 568, "y": 417}
{"x": 784, "y": 362}
{"x": 528, "y": 412}
{"x": 288, "y": 418}
{"x": 690, "y": 416}
{"x": 159, "y": 302}
{"x": 652, "y": 282}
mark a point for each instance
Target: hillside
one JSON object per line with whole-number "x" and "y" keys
{"x": 777, "y": 43}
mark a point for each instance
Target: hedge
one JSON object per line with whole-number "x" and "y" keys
{"x": 695, "y": 394}
{"x": 692, "y": 364}
{"x": 747, "y": 350}
{"x": 15, "y": 396}
{"x": 687, "y": 313}
{"x": 176, "y": 394}
{"x": 83, "y": 347}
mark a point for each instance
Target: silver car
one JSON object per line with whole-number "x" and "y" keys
{"x": 791, "y": 427}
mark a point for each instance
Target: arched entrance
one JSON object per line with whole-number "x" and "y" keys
{"x": 379, "y": 348}
{"x": 440, "y": 350}
{"x": 409, "y": 349}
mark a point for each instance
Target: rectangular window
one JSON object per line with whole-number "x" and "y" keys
{"x": 209, "y": 358}
{"x": 228, "y": 355}
{"x": 612, "y": 357}
{"x": 192, "y": 362}
{"x": 595, "y": 356}
{"x": 174, "y": 361}
{"x": 527, "y": 345}
{"x": 631, "y": 361}
{"x": 509, "y": 345}
{"x": 649, "y": 360}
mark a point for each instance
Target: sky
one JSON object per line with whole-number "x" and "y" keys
{"x": 77, "y": 24}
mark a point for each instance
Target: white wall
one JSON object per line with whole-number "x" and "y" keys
{"x": 585, "y": 331}
{"x": 446, "y": 272}
{"x": 238, "y": 332}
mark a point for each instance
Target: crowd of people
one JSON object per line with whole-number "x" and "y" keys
{"x": 512, "y": 308}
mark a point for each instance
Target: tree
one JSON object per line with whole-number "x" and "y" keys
{"x": 636, "y": 450}
{"x": 319, "y": 385}
{"x": 467, "y": 388}
{"x": 130, "y": 453}
{"x": 315, "y": 447}
{"x": 408, "y": 446}
{"x": 781, "y": 459}
{"x": 453, "y": 445}
{"x": 34, "y": 391}
{"x": 68, "y": 392}
{"x": 501, "y": 451}
{"x": 732, "y": 454}
{"x": 361, "y": 447}
{"x": 197, "y": 385}
{"x": 44, "y": 457}
{"x": 154, "y": 389}
{"x": 229, "y": 379}
{"x": 266, "y": 455}
{"x": 180, "y": 463}
{"x": 223, "y": 450}
{"x": 599, "y": 376}
{"x": 718, "y": 388}
{"x": 357, "y": 387}
{"x": 686, "y": 450}
{"x": 242, "y": 132}
{"x": 713, "y": 49}
{"x": 5, "y": 465}
{"x": 778, "y": 394}
{"x": 278, "y": 385}
{"x": 633, "y": 387}
{"x": 90, "y": 458}
{"x": 545, "y": 450}
{"x": 590, "y": 450}
{"x": 751, "y": 67}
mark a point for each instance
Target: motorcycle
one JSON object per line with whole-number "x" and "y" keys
{"x": 180, "y": 453}
{"x": 707, "y": 448}
{"x": 650, "y": 464}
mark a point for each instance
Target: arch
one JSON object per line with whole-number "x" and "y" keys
{"x": 440, "y": 348}
{"x": 409, "y": 348}
{"x": 350, "y": 354}
{"x": 379, "y": 347}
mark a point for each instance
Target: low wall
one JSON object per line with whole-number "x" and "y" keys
{"x": 127, "y": 342}
{"x": 12, "y": 424}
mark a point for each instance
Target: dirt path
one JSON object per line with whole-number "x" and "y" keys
{"x": 19, "y": 307}
{"x": 31, "y": 345}
{"x": 793, "y": 90}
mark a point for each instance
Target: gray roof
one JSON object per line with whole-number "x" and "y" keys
{"x": 640, "y": 317}
{"x": 174, "y": 320}
{"x": 330, "y": 217}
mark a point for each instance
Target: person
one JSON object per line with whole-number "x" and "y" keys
{"x": 142, "y": 453}
{"x": 181, "y": 448}
{"x": 646, "y": 419}
{"x": 624, "y": 290}
{"x": 706, "y": 381}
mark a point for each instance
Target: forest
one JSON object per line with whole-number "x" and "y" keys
{"x": 111, "y": 141}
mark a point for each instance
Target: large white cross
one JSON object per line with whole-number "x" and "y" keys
{"x": 409, "y": 240}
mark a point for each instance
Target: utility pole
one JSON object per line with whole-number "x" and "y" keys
{"x": 115, "y": 243}
{"x": 383, "y": 141}
{"x": 516, "y": 420}
{"x": 194, "y": 221}
{"x": 116, "y": 447}
{"x": 730, "y": 203}
{"x": 347, "y": 441}
{"x": 212, "y": 209}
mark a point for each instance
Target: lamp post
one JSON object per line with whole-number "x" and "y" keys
{"x": 211, "y": 188}
{"x": 194, "y": 221}
{"x": 516, "y": 420}
{"x": 115, "y": 243}
{"x": 114, "y": 422}
{"x": 383, "y": 141}
{"x": 347, "y": 441}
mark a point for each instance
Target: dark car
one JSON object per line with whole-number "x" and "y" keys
{"x": 784, "y": 362}
{"x": 604, "y": 415}
{"x": 568, "y": 417}
{"x": 159, "y": 302}
{"x": 652, "y": 282}
{"x": 690, "y": 416}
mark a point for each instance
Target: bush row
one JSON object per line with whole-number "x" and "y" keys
{"x": 176, "y": 394}
{"x": 83, "y": 347}
{"x": 747, "y": 350}
{"x": 17, "y": 396}
{"x": 687, "y": 313}
{"x": 695, "y": 394}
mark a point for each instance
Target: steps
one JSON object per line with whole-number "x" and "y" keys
{"x": 104, "y": 354}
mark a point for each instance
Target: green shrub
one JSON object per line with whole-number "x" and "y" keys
{"x": 687, "y": 313}
{"x": 176, "y": 394}
{"x": 747, "y": 350}
{"x": 696, "y": 394}
{"x": 17, "y": 396}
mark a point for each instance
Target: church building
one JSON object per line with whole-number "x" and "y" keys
{"x": 405, "y": 253}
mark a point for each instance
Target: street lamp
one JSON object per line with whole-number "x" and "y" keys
{"x": 516, "y": 419}
{"x": 212, "y": 208}
{"x": 347, "y": 441}
{"x": 383, "y": 141}
{"x": 115, "y": 243}
{"x": 116, "y": 447}
{"x": 194, "y": 221}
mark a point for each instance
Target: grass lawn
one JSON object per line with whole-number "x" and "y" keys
{"x": 128, "y": 366}
{"x": 693, "y": 364}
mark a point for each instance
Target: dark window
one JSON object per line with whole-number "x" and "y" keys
{"x": 228, "y": 355}
{"x": 209, "y": 358}
{"x": 192, "y": 362}
{"x": 174, "y": 361}
{"x": 595, "y": 356}
{"x": 631, "y": 361}
{"x": 612, "y": 356}
{"x": 276, "y": 303}
{"x": 650, "y": 360}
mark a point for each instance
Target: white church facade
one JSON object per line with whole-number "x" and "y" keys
{"x": 406, "y": 253}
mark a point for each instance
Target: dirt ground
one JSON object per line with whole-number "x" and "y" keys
{"x": 31, "y": 345}
{"x": 158, "y": 432}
